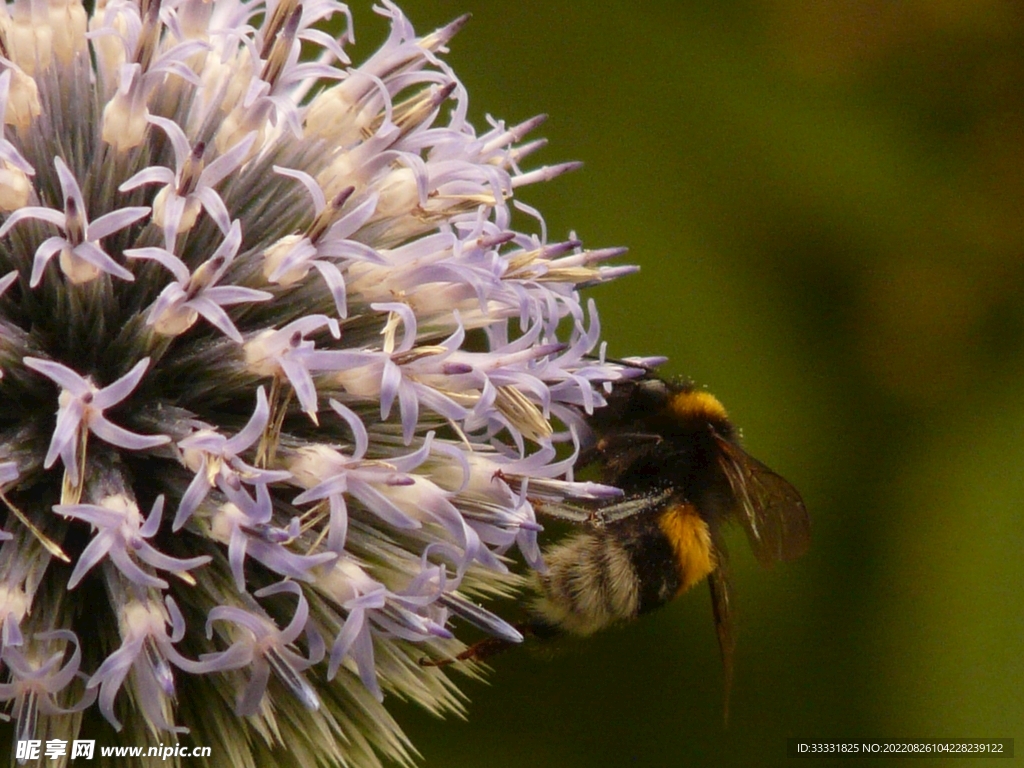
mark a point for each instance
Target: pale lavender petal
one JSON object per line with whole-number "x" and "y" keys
{"x": 61, "y": 374}
{"x": 390, "y": 383}
{"x": 65, "y": 439}
{"x": 383, "y": 507}
{"x": 68, "y": 183}
{"x": 101, "y": 517}
{"x": 440, "y": 404}
{"x": 362, "y": 653}
{"x": 59, "y": 681}
{"x": 409, "y": 404}
{"x": 314, "y": 190}
{"x": 122, "y": 438}
{"x": 46, "y": 251}
{"x": 115, "y": 220}
{"x": 192, "y": 498}
{"x": 411, "y": 461}
{"x": 255, "y": 624}
{"x": 301, "y": 615}
{"x": 160, "y": 561}
{"x": 91, "y": 253}
{"x": 285, "y": 562}
{"x": 7, "y": 280}
{"x": 331, "y": 487}
{"x": 216, "y": 316}
{"x": 335, "y": 283}
{"x": 218, "y": 170}
{"x": 349, "y": 250}
{"x": 109, "y": 677}
{"x": 352, "y": 627}
{"x": 362, "y": 439}
{"x": 179, "y": 142}
{"x": 302, "y": 383}
{"x": 93, "y": 553}
{"x": 235, "y": 657}
{"x": 57, "y": 218}
{"x": 249, "y": 702}
{"x": 253, "y": 428}
{"x": 229, "y": 246}
{"x": 161, "y": 255}
{"x": 298, "y": 254}
{"x": 338, "y": 530}
{"x": 133, "y": 572}
{"x": 408, "y": 322}
{"x": 214, "y": 206}
{"x": 310, "y": 323}
{"x": 174, "y": 210}
{"x": 118, "y": 390}
{"x": 152, "y": 524}
{"x": 177, "y": 620}
{"x": 230, "y": 294}
{"x": 153, "y": 175}
{"x": 236, "y": 557}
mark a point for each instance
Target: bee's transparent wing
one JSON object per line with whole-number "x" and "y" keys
{"x": 718, "y": 581}
{"x": 769, "y": 507}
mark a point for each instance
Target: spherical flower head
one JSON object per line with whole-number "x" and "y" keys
{"x": 291, "y": 302}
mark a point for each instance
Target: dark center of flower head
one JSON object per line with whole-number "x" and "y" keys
{"x": 331, "y": 500}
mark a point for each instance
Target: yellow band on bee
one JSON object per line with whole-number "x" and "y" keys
{"x": 697, "y": 404}
{"x": 691, "y": 542}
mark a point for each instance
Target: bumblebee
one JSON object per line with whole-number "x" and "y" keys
{"x": 676, "y": 455}
{"x": 674, "y": 452}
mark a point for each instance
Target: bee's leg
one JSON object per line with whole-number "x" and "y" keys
{"x": 489, "y": 646}
{"x": 612, "y": 513}
{"x": 561, "y": 511}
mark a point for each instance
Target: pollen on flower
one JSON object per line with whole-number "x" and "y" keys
{"x": 282, "y": 377}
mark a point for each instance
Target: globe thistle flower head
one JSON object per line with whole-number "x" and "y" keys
{"x": 281, "y": 375}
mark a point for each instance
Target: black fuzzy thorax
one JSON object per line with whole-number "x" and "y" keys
{"x": 645, "y": 446}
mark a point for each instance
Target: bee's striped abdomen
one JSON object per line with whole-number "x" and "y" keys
{"x": 612, "y": 574}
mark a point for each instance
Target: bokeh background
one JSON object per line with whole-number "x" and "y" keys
{"x": 827, "y": 203}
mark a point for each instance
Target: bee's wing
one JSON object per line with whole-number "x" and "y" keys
{"x": 768, "y": 506}
{"x": 718, "y": 581}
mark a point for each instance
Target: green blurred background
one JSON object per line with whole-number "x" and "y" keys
{"x": 827, "y": 203}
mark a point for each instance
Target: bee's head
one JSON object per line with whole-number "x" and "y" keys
{"x": 655, "y": 406}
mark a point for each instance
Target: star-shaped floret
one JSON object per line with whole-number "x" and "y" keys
{"x": 191, "y": 186}
{"x": 122, "y": 533}
{"x": 81, "y": 257}
{"x": 81, "y": 407}
{"x": 148, "y": 649}
{"x": 262, "y": 646}
{"x": 215, "y": 460}
{"x": 37, "y": 681}
{"x": 181, "y": 302}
